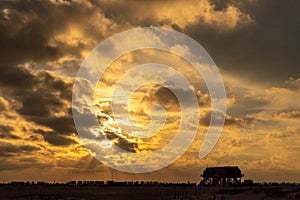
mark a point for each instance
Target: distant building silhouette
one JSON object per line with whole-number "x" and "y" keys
{"x": 222, "y": 176}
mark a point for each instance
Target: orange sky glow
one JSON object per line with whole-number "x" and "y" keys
{"x": 43, "y": 44}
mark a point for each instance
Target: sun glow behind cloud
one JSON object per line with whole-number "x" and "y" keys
{"x": 253, "y": 46}
{"x": 140, "y": 104}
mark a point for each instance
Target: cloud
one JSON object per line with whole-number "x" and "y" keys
{"x": 13, "y": 77}
{"x": 57, "y": 139}
{"x": 8, "y": 149}
{"x": 6, "y": 132}
{"x": 205, "y": 119}
{"x": 255, "y": 44}
{"x": 40, "y": 96}
{"x": 62, "y": 125}
{"x": 263, "y": 52}
{"x": 264, "y": 101}
{"x": 174, "y": 13}
{"x": 4, "y": 105}
{"x": 295, "y": 114}
{"x": 288, "y": 133}
{"x": 293, "y": 83}
{"x": 35, "y": 31}
{"x": 110, "y": 130}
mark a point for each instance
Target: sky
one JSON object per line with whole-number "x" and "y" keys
{"x": 254, "y": 43}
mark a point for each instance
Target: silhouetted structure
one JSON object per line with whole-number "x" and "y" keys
{"x": 222, "y": 176}
{"x": 144, "y": 190}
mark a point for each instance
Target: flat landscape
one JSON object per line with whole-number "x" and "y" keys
{"x": 154, "y": 191}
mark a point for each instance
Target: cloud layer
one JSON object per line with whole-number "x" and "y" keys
{"x": 254, "y": 43}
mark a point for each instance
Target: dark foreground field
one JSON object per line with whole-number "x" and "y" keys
{"x": 160, "y": 191}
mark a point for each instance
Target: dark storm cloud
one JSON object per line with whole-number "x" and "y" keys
{"x": 266, "y": 50}
{"x": 8, "y": 149}
{"x": 166, "y": 97}
{"x": 13, "y": 77}
{"x": 63, "y": 125}
{"x": 127, "y": 145}
{"x": 23, "y": 40}
{"x": 55, "y": 138}
{"x": 58, "y": 140}
{"x": 122, "y": 141}
{"x": 16, "y": 80}
{"x": 40, "y": 32}
{"x": 4, "y": 128}
{"x": 29, "y": 30}
{"x": 6, "y": 132}
{"x": 39, "y": 104}
{"x": 46, "y": 96}
{"x": 29, "y": 33}
{"x": 41, "y": 94}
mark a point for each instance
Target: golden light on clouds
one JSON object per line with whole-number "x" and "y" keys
{"x": 182, "y": 13}
{"x": 43, "y": 45}
{"x": 143, "y": 98}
